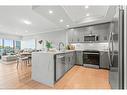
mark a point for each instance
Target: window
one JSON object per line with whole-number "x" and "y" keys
{"x": 8, "y": 46}
{"x": 1, "y": 47}
{"x": 17, "y": 44}
{"x": 1, "y": 43}
{"x": 8, "y": 43}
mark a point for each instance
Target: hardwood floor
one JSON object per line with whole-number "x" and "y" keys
{"x": 77, "y": 78}
{"x": 84, "y": 78}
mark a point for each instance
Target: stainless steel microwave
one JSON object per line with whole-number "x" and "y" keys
{"x": 91, "y": 38}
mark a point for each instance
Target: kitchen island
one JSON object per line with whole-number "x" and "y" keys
{"x": 44, "y": 68}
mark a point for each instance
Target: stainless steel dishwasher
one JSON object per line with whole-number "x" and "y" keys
{"x": 60, "y": 66}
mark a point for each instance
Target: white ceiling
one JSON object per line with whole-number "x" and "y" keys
{"x": 12, "y": 17}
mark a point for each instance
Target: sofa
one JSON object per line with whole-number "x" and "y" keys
{"x": 9, "y": 58}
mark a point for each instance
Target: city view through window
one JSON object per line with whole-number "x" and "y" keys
{"x": 7, "y": 46}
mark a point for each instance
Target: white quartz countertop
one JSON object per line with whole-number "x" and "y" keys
{"x": 67, "y": 51}
{"x": 55, "y": 52}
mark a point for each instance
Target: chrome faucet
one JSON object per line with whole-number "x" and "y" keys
{"x": 61, "y": 43}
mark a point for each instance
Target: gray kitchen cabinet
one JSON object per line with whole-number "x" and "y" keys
{"x": 73, "y": 58}
{"x": 73, "y": 36}
{"x": 64, "y": 62}
{"x": 81, "y": 36}
{"x": 79, "y": 58}
{"x": 70, "y": 35}
{"x": 82, "y": 32}
{"x": 101, "y": 30}
{"x": 69, "y": 60}
{"x": 104, "y": 60}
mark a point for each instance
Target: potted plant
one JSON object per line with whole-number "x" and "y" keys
{"x": 48, "y": 45}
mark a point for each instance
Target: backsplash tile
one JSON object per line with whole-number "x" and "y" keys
{"x": 91, "y": 46}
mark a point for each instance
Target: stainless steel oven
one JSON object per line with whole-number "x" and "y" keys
{"x": 91, "y": 59}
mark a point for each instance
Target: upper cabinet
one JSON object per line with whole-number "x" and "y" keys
{"x": 73, "y": 36}
{"x": 101, "y": 30}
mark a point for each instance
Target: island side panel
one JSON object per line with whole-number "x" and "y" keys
{"x": 43, "y": 68}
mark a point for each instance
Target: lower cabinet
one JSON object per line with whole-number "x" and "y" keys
{"x": 69, "y": 60}
{"x": 73, "y": 58}
{"x": 64, "y": 62}
{"x": 79, "y": 58}
{"x": 104, "y": 60}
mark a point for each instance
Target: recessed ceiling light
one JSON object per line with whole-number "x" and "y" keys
{"x": 61, "y": 20}
{"x": 50, "y": 12}
{"x": 88, "y": 14}
{"x": 86, "y": 7}
{"x": 67, "y": 25}
{"x": 27, "y": 22}
{"x": 72, "y": 29}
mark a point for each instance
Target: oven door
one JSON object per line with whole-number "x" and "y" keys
{"x": 91, "y": 59}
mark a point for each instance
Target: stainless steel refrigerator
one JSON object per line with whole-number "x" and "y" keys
{"x": 116, "y": 51}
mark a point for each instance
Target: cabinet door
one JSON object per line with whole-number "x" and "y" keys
{"x": 75, "y": 36}
{"x": 66, "y": 62}
{"x": 69, "y": 60}
{"x": 70, "y": 35}
{"x": 81, "y": 36}
{"x": 71, "y": 63}
{"x": 73, "y": 58}
{"x": 79, "y": 58}
{"x": 102, "y": 31}
{"x": 104, "y": 60}
{"x": 82, "y": 33}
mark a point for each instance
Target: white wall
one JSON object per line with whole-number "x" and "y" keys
{"x": 55, "y": 37}
{"x": 28, "y": 44}
{"x": 8, "y": 36}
